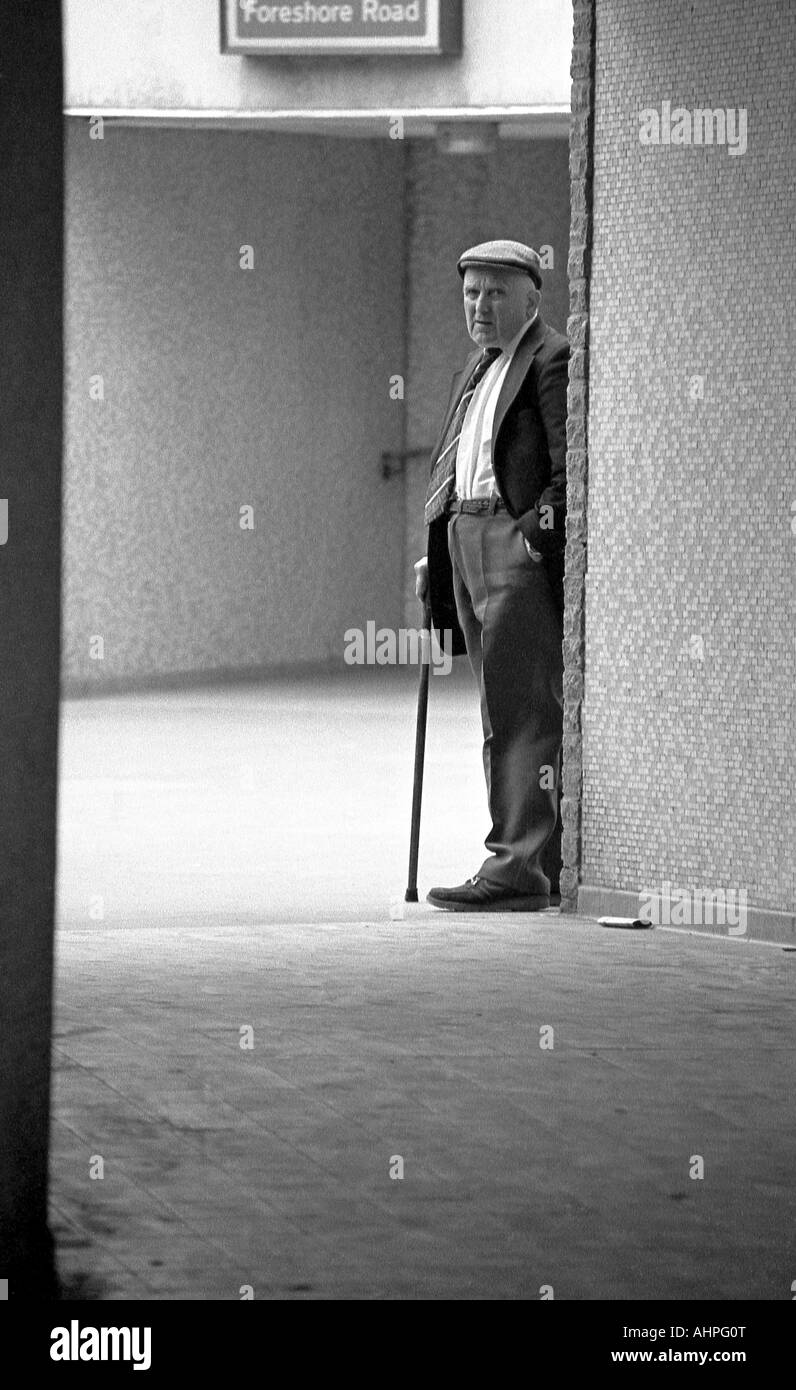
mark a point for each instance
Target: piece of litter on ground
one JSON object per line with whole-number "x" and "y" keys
{"x": 397, "y": 909}
{"x": 629, "y": 923}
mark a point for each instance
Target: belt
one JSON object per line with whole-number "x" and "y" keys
{"x": 477, "y": 506}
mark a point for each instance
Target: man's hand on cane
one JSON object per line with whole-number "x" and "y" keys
{"x": 421, "y": 579}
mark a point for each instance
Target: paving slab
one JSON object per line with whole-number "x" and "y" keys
{"x": 426, "y": 1106}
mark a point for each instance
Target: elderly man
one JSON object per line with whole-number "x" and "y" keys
{"x": 493, "y": 575}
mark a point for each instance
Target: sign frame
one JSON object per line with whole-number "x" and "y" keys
{"x": 443, "y": 36}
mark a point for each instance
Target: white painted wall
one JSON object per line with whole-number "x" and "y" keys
{"x": 166, "y": 54}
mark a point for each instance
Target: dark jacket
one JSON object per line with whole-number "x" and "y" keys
{"x": 529, "y": 449}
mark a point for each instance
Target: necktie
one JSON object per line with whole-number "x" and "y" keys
{"x": 443, "y": 475}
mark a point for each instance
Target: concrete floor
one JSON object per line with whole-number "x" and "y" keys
{"x": 234, "y": 859}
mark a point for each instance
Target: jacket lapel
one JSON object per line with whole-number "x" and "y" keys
{"x": 458, "y": 384}
{"x": 516, "y": 374}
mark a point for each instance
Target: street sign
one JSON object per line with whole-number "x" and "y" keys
{"x": 358, "y": 27}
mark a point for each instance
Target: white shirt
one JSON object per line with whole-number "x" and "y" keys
{"x": 475, "y": 475}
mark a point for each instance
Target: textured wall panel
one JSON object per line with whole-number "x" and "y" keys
{"x": 690, "y": 701}
{"x": 225, "y": 387}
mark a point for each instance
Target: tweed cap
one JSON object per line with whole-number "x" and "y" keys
{"x": 504, "y": 255}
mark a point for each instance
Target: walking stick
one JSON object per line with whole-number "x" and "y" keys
{"x": 420, "y": 751}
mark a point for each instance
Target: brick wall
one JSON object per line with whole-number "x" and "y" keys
{"x": 580, "y": 168}
{"x": 689, "y": 700}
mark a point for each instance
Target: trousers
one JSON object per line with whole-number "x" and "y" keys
{"x": 512, "y": 621}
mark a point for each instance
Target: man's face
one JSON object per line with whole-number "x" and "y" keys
{"x": 496, "y": 304}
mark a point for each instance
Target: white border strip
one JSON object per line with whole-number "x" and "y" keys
{"x": 295, "y": 113}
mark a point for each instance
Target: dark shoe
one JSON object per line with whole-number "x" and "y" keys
{"x": 481, "y": 895}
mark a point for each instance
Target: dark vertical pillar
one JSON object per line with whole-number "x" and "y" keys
{"x": 31, "y": 370}
{"x": 580, "y": 168}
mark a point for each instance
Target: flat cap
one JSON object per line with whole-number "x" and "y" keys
{"x": 504, "y": 255}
